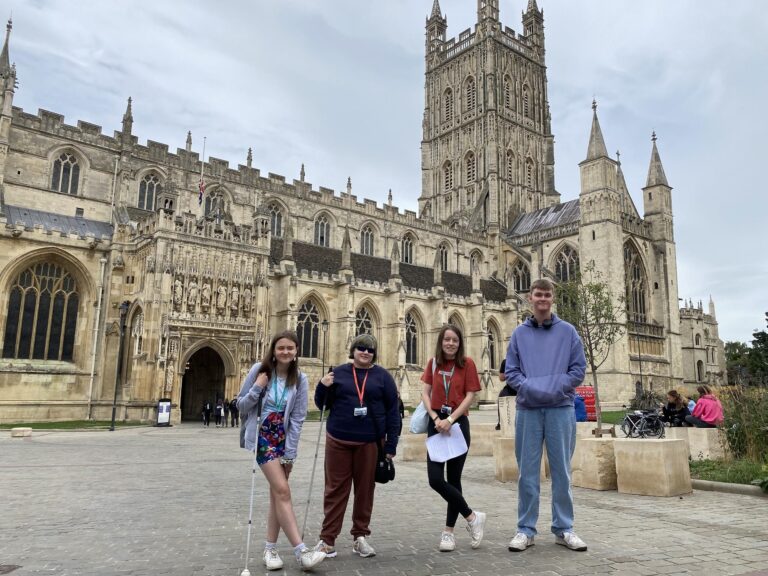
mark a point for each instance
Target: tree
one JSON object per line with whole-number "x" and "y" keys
{"x": 598, "y": 316}
{"x": 758, "y": 357}
{"x": 736, "y": 362}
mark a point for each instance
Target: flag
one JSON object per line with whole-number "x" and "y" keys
{"x": 201, "y": 187}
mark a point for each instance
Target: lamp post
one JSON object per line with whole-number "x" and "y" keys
{"x": 119, "y": 372}
{"x": 324, "y": 326}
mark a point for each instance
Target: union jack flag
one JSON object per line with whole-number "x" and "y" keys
{"x": 201, "y": 187}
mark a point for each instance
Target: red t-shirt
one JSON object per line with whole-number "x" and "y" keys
{"x": 462, "y": 381}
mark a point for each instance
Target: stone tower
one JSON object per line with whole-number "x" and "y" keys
{"x": 487, "y": 148}
{"x": 7, "y": 87}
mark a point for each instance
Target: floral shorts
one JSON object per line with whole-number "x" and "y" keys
{"x": 271, "y": 442}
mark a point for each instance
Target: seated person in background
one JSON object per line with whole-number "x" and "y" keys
{"x": 505, "y": 391}
{"x": 691, "y": 405}
{"x": 676, "y": 409}
{"x": 580, "y": 408}
{"x": 708, "y": 412}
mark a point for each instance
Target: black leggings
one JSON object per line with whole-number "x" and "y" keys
{"x": 450, "y": 490}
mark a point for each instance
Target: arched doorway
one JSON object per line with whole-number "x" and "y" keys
{"x": 203, "y": 381}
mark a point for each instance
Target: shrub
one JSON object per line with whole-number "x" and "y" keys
{"x": 646, "y": 400}
{"x": 745, "y": 411}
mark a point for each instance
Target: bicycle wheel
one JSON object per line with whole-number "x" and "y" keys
{"x": 652, "y": 428}
{"x": 627, "y": 427}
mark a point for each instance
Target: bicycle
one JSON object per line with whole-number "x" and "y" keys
{"x": 643, "y": 424}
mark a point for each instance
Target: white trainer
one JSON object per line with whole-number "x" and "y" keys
{"x": 272, "y": 559}
{"x": 475, "y": 528}
{"x": 363, "y": 548}
{"x": 447, "y": 542}
{"x": 520, "y": 542}
{"x": 309, "y": 558}
{"x": 571, "y": 541}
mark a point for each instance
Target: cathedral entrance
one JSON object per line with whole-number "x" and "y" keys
{"x": 203, "y": 381}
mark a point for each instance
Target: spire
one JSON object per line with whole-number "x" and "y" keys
{"x": 532, "y": 6}
{"x": 5, "y": 62}
{"x": 249, "y": 158}
{"x": 302, "y": 174}
{"x": 622, "y": 183}
{"x": 128, "y": 118}
{"x": 389, "y": 197}
{"x": 656, "y": 174}
{"x": 596, "y": 147}
{"x": 436, "y": 12}
{"x": 189, "y": 141}
{"x": 349, "y": 185}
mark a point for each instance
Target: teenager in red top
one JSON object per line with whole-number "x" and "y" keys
{"x": 450, "y": 382}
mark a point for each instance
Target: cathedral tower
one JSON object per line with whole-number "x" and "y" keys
{"x": 487, "y": 148}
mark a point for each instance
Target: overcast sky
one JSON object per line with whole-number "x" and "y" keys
{"x": 338, "y": 85}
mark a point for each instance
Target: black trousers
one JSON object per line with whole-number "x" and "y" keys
{"x": 445, "y": 477}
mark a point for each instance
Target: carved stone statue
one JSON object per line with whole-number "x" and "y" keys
{"x": 234, "y": 298}
{"x": 178, "y": 292}
{"x": 206, "y": 295}
{"x": 192, "y": 294}
{"x": 247, "y": 300}
{"x": 221, "y": 298}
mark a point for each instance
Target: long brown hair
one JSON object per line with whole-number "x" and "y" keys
{"x": 439, "y": 356}
{"x": 677, "y": 398}
{"x": 269, "y": 362}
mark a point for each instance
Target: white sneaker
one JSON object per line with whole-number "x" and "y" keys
{"x": 363, "y": 548}
{"x": 272, "y": 559}
{"x": 309, "y": 558}
{"x": 329, "y": 551}
{"x": 570, "y": 540}
{"x": 447, "y": 542}
{"x": 475, "y": 528}
{"x": 520, "y": 542}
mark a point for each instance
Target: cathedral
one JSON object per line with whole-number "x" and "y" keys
{"x": 130, "y": 273}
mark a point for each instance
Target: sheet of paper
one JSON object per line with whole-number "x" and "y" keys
{"x": 442, "y": 447}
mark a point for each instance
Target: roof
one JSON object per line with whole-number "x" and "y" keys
{"x": 557, "y": 215}
{"x": 57, "y": 222}
{"x": 328, "y": 260}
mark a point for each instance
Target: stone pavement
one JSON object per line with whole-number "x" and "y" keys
{"x": 174, "y": 501}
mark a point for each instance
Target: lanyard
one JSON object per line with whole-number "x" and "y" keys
{"x": 360, "y": 391}
{"x": 447, "y": 384}
{"x": 281, "y": 404}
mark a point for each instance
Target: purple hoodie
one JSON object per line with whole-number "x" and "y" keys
{"x": 545, "y": 364}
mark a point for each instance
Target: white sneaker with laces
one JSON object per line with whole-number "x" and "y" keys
{"x": 571, "y": 541}
{"x": 329, "y": 551}
{"x": 362, "y": 548}
{"x": 272, "y": 559}
{"x": 309, "y": 558}
{"x": 475, "y": 528}
{"x": 447, "y": 542}
{"x": 520, "y": 542}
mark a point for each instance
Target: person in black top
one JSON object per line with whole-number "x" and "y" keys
{"x": 676, "y": 409}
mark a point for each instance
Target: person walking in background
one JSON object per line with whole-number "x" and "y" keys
{"x": 282, "y": 390}
{"x": 708, "y": 412}
{"x": 362, "y": 399}
{"x": 234, "y": 413}
{"x": 545, "y": 363}
{"x": 226, "y": 412}
{"x": 450, "y": 382}
{"x": 503, "y": 393}
{"x": 207, "y": 413}
{"x": 218, "y": 412}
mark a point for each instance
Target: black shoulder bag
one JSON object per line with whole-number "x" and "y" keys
{"x": 385, "y": 468}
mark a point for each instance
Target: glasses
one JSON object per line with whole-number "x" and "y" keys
{"x": 365, "y": 349}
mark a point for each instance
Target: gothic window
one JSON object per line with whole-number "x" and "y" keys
{"x": 455, "y": 320}
{"x": 447, "y": 176}
{"x": 406, "y": 249}
{"x": 366, "y": 240}
{"x": 529, "y": 173}
{"x": 443, "y": 251}
{"x": 215, "y": 204}
{"x": 275, "y": 220}
{"x": 636, "y": 284}
{"x": 66, "y": 174}
{"x": 363, "y": 322}
{"x": 510, "y": 165}
{"x": 469, "y": 164}
{"x": 566, "y": 264}
{"x": 699, "y": 371}
{"x": 507, "y": 92}
{"x": 137, "y": 333}
{"x": 448, "y": 204}
{"x": 149, "y": 188}
{"x": 521, "y": 277}
{"x": 308, "y": 329}
{"x": 471, "y": 94}
{"x": 411, "y": 340}
{"x": 41, "y": 320}
{"x": 322, "y": 231}
{"x": 698, "y": 339}
{"x": 448, "y": 105}
{"x": 526, "y": 102}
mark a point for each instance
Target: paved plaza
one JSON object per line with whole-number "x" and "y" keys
{"x": 174, "y": 501}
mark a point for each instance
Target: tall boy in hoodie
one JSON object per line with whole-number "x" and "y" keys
{"x": 545, "y": 362}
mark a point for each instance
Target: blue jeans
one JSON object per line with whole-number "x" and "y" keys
{"x": 555, "y": 427}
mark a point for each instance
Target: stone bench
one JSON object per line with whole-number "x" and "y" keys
{"x": 21, "y": 432}
{"x": 702, "y": 443}
{"x": 650, "y": 467}
{"x": 412, "y": 447}
{"x": 593, "y": 464}
{"x": 506, "y": 463}
{"x": 482, "y": 435}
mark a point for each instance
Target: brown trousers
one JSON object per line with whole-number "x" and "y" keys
{"x": 348, "y": 463}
